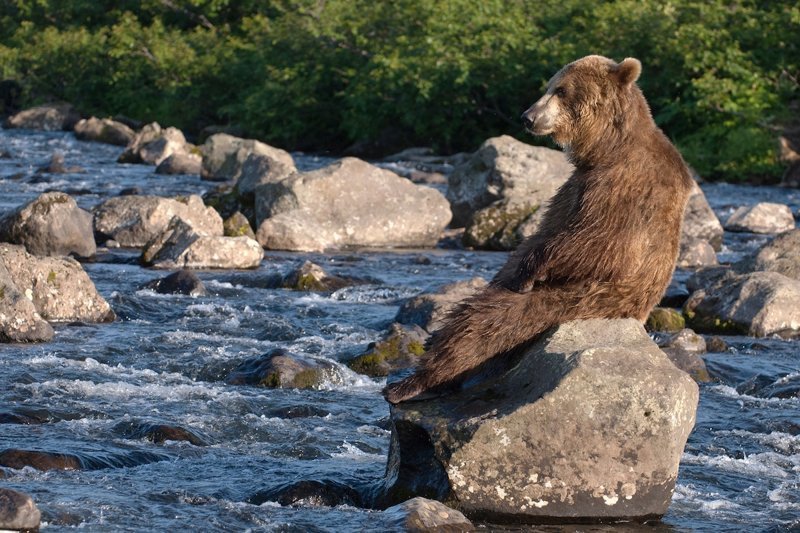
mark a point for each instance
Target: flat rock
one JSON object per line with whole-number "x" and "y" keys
{"x": 429, "y": 310}
{"x": 18, "y": 511}
{"x": 699, "y": 220}
{"x": 59, "y": 288}
{"x": 51, "y": 117}
{"x": 52, "y": 224}
{"x": 781, "y": 255}
{"x": 349, "y": 203}
{"x": 504, "y": 168}
{"x": 420, "y": 515}
{"x": 181, "y": 246}
{"x": 180, "y": 163}
{"x": 763, "y": 217}
{"x": 758, "y": 304}
{"x": 19, "y": 320}
{"x": 224, "y": 158}
{"x": 104, "y": 130}
{"x": 589, "y": 424}
{"x": 134, "y": 220}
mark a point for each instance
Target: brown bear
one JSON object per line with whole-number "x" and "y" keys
{"x": 609, "y": 240}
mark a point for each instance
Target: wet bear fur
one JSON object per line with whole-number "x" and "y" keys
{"x": 609, "y": 240}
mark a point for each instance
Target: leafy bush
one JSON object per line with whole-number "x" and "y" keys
{"x": 721, "y": 76}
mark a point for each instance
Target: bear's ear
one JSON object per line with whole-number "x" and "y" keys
{"x": 627, "y": 72}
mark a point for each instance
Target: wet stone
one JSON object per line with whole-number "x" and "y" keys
{"x": 18, "y": 511}
{"x": 400, "y": 349}
{"x": 419, "y": 515}
{"x": 180, "y": 282}
{"x": 312, "y": 277}
{"x": 15, "y": 458}
{"x": 158, "y": 433}
{"x": 278, "y": 369}
{"x": 312, "y": 493}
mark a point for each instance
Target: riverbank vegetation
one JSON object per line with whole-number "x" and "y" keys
{"x": 325, "y": 75}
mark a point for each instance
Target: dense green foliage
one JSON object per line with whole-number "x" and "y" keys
{"x": 721, "y": 76}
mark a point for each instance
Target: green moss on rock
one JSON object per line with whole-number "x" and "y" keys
{"x": 664, "y": 319}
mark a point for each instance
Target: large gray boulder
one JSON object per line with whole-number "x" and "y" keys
{"x": 590, "y": 424}
{"x": 181, "y": 246}
{"x": 699, "y": 220}
{"x": 104, "y": 130}
{"x": 429, "y": 310}
{"x": 781, "y": 255}
{"x": 509, "y": 170}
{"x": 260, "y": 168}
{"x": 763, "y": 217}
{"x": 758, "y": 304}
{"x": 51, "y": 117}
{"x": 133, "y": 221}
{"x": 59, "y": 288}
{"x": 349, "y": 203}
{"x": 19, "y": 320}
{"x": 153, "y": 144}
{"x": 224, "y": 157}
{"x": 18, "y": 512}
{"x": 52, "y": 224}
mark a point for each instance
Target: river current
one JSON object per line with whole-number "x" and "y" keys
{"x": 165, "y": 359}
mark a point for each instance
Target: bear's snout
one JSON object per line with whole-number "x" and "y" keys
{"x": 527, "y": 120}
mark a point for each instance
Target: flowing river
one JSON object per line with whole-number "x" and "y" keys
{"x": 165, "y": 359}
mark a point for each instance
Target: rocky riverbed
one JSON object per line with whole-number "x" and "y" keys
{"x": 169, "y": 417}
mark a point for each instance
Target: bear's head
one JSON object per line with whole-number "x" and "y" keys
{"x": 587, "y": 99}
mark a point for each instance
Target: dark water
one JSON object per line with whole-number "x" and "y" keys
{"x": 165, "y": 360}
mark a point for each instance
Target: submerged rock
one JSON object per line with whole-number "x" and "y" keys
{"x": 349, "y": 203}
{"x": 312, "y": 277}
{"x": 419, "y": 515}
{"x": 158, "y": 433}
{"x": 40, "y": 460}
{"x": 763, "y": 217}
{"x": 699, "y": 220}
{"x": 181, "y": 246}
{"x": 757, "y": 304}
{"x": 58, "y": 286}
{"x": 18, "y": 511}
{"x": 313, "y": 493}
{"x": 429, "y": 310}
{"x": 19, "y": 320}
{"x": 51, "y": 117}
{"x": 278, "y": 369}
{"x": 505, "y": 169}
{"x": 180, "y": 282}
{"x": 590, "y": 424}
{"x": 224, "y": 158}
{"x": 400, "y": 349}
{"x": 104, "y": 130}
{"x": 52, "y": 224}
{"x": 134, "y": 221}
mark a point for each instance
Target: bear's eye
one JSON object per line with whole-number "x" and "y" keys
{"x": 561, "y": 92}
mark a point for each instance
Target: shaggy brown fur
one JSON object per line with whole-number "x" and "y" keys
{"x": 609, "y": 240}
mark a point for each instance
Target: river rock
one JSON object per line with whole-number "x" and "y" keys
{"x": 429, "y": 310}
{"x": 51, "y": 117}
{"x": 40, "y": 460}
{"x": 401, "y": 348}
{"x": 498, "y": 226}
{"x": 764, "y": 217}
{"x": 104, "y": 130}
{"x": 696, "y": 253}
{"x": 58, "y": 286}
{"x": 19, "y": 320}
{"x": 309, "y": 492}
{"x": 153, "y": 144}
{"x": 684, "y": 349}
{"x": 157, "y": 433}
{"x": 56, "y": 165}
{"x": 182, "y": 246}
{"x": 237, "y": 225}
{"x": 260, "y": 168}
{"x": 421, "y": 515}
{"x": 133, "y": 221}
{"x": 590, "y": 424}
{"x": 699, "y": 220}
{"x": 349, "y": 203}
{"x": 504, "y": 168}
{"x": 759, "y": 304}
{"x": 781, "y": 255}
{"x": 279, "y": 369}
{"x": 180, "y": 282}
{"x": 312, "y": 277}
{"x": 18, "y": 511}
{"x": 52, "y": 224}
{"x": 180, "y": 163}
{"x": 224, "y": 158}
{"x": 664, "y": 319}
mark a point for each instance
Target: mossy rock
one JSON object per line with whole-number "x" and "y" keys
{"x": 495, "y": 227}
{"x": 237, "y": 225}
{"x": 313, "y": 278}
{"x": 714, "y": 324}
{"x": 666, "y": 320}
{"x": 400, "y": 349}
{"x": 279, "y": 369}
